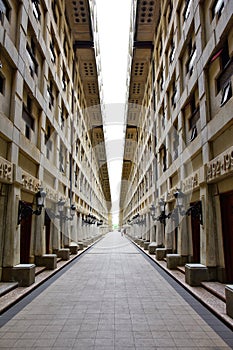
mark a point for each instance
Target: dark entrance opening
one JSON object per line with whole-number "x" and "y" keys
{"x": 47, "y": 232}
{"x": 226, "y": 201}
{"x": 25, "y": 237}
{"x": 195, "y": 224}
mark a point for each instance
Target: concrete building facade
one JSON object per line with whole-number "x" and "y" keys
{"x": 177, "y": 178}
{"x": 52, "y": 149}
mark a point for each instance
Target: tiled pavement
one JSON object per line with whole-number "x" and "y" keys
{"x": 112, "y": 298}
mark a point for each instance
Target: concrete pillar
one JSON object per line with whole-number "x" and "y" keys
{"x": 11, "y": 252}
{"x": 39, "y": 237}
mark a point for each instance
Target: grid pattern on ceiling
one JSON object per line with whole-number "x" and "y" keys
{"x": 92, "y": 88}
{"x": 133, "y": 102}
{"x": 88, "y": 68}
{"x": 136, "y": 88}
{"x": 80, "y": 11}
{"x": 146, "y": 11}
{"x": 93, "y": 102}
{"x": 139, "y": 68}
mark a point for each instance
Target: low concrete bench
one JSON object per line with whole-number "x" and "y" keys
{"x": 47, "y": 260}
{"x": 146, "y": 245}
{"x": 80, "y": 244}
{"x": 195, "y": 274}
{"x": 160, "y": 253}
{"x": 229, "y": 299}
{"x": 173, "y": 260}
{"x": 151, "y": 248}
{"x": 64, "y": 253}
{"x": 73, "y": 247}
{"x": 24, "y": 274}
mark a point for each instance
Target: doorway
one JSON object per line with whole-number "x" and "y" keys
{"x": 195, "y": 225}
{"x": 226, "y": 201}
{"x": 47, "y": 232}
{"x": 25, "y": 237}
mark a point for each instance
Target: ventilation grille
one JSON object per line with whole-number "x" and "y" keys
{"x": 139, "y": 69}
{"x": 92, "y": 88}
{"x": 136, "y": 88}
{"x": 80, "y": 12}
{"x": 146, "y": 11}
{"x": 88, "y": 68}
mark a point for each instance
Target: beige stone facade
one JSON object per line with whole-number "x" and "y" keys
{"x": 51, "y": 133}
{"x": 180, "y": 128}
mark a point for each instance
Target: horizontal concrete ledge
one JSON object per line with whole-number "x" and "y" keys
{"x": 229, "y": 299}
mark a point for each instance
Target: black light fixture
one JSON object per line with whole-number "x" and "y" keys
{"x": 195, "y": 209}
{"x": 162, "y": 217}
{"x": 99, "y": 223}
{"x": 24, "y": 210}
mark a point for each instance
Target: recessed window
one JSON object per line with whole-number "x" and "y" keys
{"x": 226, "y": 93}
{"x": 29, "y": 120}
{"x": 217, "y": 8}
{"x": 174, "y": 95}
{"x": 36, "y": 9}
{"x": 2, "y": 84}
{"x": 33, "y": 65}
{"x": 4, "y": 10}
{"x": 50, "y": 95}
{"x": 172, "y": 52}
{"x": 52, "y": 52}
{"x": 187, "y": 8}
{"x": 192, "y": 54}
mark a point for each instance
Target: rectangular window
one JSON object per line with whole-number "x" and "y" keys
{"x": 61, "y": 159}
{"x": 192, "y": 53}
{"x": 186, "y": 12}
{"x": 217, "y": 8}
{"x": 172, "y": 52}
{"x": 226, "y": 93}
{"x": 2, "y": 84}
{"x": 50, "y": 95}
{"x": 36, "y": 9}
{"x": 29, "y": 120}
{"x": 4, "y": 10}
{"x": 52, "y": 52}
{"x": 174, "y": 95}
{"x": 33, "y": 65}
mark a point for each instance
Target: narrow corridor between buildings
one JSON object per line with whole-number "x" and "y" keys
{"x": 114, "y": 298}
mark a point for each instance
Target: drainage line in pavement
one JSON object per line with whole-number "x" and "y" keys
{"x": 219, "y": 325}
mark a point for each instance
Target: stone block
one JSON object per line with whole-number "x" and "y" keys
{"x": 160, "y": 253}
{"x": 64, "y": 253}
{"x": 195, "y": 274}
{"x": 141, "y": 242}
{"x": 229, "y": 299}
{"x": 146, "y": 245}
{"x": 151, "y": 248}
{"x": 80, "y": 244}
{"x": 73, "y": 247}
{"x": 173, "y": 260}
{"x": 24, "y": 274}
{"x": 47, "y": 260}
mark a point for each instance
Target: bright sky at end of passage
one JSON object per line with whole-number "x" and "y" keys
{"x": 113, "y": 17}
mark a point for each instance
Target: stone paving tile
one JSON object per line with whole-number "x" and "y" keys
{"x": 112, "y": 298}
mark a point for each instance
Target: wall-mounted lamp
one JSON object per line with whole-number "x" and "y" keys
{"x": 195, "y": 209}
{"x": 25, "y": 210}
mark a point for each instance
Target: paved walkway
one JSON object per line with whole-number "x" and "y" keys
{"x": 112, "y": 298}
